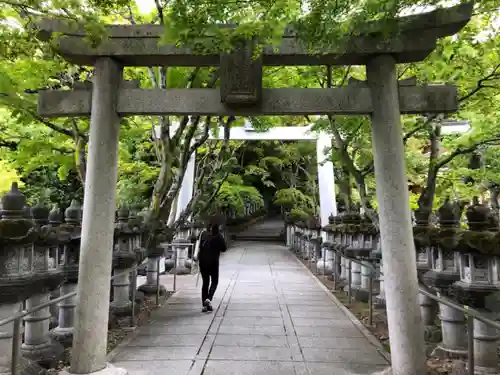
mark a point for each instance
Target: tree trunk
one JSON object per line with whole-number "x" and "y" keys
{"x": 426, "y": 199}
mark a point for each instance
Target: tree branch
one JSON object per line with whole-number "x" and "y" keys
{"x": 467, "y": 150}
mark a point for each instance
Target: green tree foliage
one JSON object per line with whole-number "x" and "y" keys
{"x": 52, "y": 153}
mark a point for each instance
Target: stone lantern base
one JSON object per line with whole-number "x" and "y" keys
{"x": 149, "y": 289}
{"x": 44, "y": 354}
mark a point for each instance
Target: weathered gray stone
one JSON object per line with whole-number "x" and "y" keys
{"x": 90, "y": 335}
{"x": 254, "y": 354}
{"x": 328, "y": 331}
{"x": 291, "y": 101}
{"x": 241, "y": 76}
{"x": 158, "y": 353}
{"x": 162, "y": 367}
{"x": 251, "y": 341}
{"x": 414, "y": 37}
{"x": 369, "y": 357}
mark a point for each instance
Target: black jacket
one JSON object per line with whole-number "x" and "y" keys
{"x": 210, "y": 249}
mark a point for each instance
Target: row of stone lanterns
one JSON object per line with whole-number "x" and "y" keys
{"x": 460, "y": 264}
{"x": 39, "y": 259}
{"x": 463, "y": 265}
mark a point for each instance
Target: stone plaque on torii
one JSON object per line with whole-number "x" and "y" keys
{"x": 241, "y": 93}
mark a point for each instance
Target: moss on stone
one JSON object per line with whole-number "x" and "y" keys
{"x": 17, "y": 231}
{"x": 458, "y": 239}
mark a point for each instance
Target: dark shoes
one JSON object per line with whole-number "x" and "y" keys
{"x": 207, "y": 306}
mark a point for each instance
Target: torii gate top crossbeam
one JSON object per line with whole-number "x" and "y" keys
{"x": 138, "y": 45}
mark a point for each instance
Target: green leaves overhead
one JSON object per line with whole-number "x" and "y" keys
{"x": 281, "y": 171}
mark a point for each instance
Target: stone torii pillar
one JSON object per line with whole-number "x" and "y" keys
{"x": 398, "y": 248}
{"x": 88, "y": 355}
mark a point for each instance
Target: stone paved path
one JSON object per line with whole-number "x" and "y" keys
{"x": 270, "y": 317}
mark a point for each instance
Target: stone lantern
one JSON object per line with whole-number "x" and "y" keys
{"x": 421, "y": 233}
{"x": 289, "y": 225}
{"x": 157, "y": 234}
{"x": 180, "y": 248}
{"x": 63, "y": 333}
{"x": 37, "y": 345}
{"x": 355, "y": 249}
{"x": 18, "y": 279}
{"x": 316, "y": 239}
{"x": 338, "y": 240}
{"x": 136, "y": 225}
{"x": 479, "y": 278}
{"x": 185, "y": 253}
{"x": 325, "y": 262}
{"x": 443, "y": 273}
{"x": 124, "y": 257}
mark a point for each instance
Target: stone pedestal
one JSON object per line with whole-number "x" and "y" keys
{"x": 304, "y": 246}
{"x": 63, "y": 333}
{"x": 453, "y": 328}
{"x": 37, "y": 344}
{"x": 429, "y": 310}
{"x": 379, "y": 300}
{"x": 343, "y": 275}
{"x": 344, "y": 268}
{"x": 150, "y": 286}
{"x": 355, "y": 275}
{"x": 289, "y": 231}
{"x": 6, "y": 337}
{"x": 348, "y": 269}
{"x": 362, "y": 294}
{"x": 169, "y": 264}
{"x": 325, "y": 263}
{"x": 297, "y": 242}
{"x": 181, "y": 251}
{"x": 485, "y": 347}
{"x": 121, "y": 304}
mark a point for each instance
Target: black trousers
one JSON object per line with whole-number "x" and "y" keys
{"x": 210, "y": 279}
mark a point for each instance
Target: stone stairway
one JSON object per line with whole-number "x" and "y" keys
{"x": 268, "y": 230}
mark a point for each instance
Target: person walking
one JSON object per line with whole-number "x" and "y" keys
{"x": 211, "y": 244}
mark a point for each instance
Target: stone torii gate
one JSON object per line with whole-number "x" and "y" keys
{"x": 241, "y": 93}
